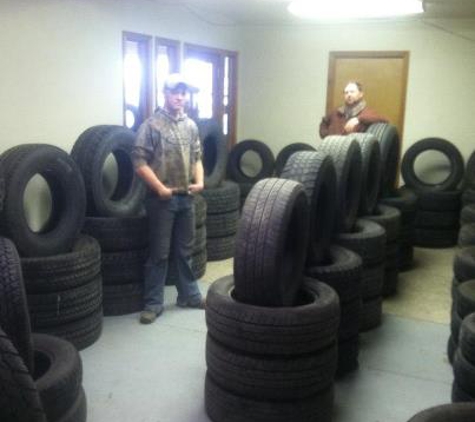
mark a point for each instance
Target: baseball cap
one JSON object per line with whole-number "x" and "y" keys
{"x": 174, "y": 80}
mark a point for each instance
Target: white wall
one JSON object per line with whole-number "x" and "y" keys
{"x": 284, "y": 78}
{"x": 61, "y": 62}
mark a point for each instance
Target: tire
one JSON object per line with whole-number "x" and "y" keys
{"x": 390, "y": 146}
{"x": 235, "y": 169}
{"x": 468, "y": 196}
{"x": 124, "y": 267}
{"x": 371, "y": 169}
{"x": 464, "y": 264}
{"x": 350, "y": 313}
{"x": 465, "y": 298}
{"x": 286, "y": 152}
{"x": 91, "y": 151}
{"x": 437, "y": 144}
{"x": 219, "y": 248}
{"x": 346, "y": 155}
{"x": 444, "y": 220}
{"x": 470, "y": 172}
{"x": 116, "y": 234}
{"x": 2, "y": 190}
{"x": 78, "y": 411}
{"x": 404, "y": 199}
{"x": 348, "y": 351}
{"x": 64, "y": 271}
{"x": 200, "y": 207}
{"x": 372, "y": 281}
{"x": 215, "y": 152}
{"x": 309, "y": 326}
{"x": 467, "y": 215}
{"x": 221, "y": 225}
{"x": 435, "y": 238}
{"x": 451, "y": 348}
{"x": 459, "y": 396}
{"x": 222, "y": 199}
{"x": 461, "y": 412}
{"x": 389, "y": 218}
{"x": 467, "y": 338}
{"x": 66, "y": 186}
{"x": 467, "y": 235}
{"x": 271, "y": 243}
{"x": 221, "y": 405}
{"x": 123, "y": 299}
{"x": 342, "y": 271}
{"x": 58, "y": 374}
{"x": 14, "y": 317}
{"x": 317, "y": 174}
{"x": 371, "y": 314}
{"x": 391, "y": 280}
{"x": 368, "y": 241}
{"x": 464, "y": 373}
{"x": 276, "y": 378}
{"x": 439, "y": 201}
{"x": 19, "y": 400}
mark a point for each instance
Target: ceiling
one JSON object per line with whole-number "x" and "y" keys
{"x": 274, "y": 12}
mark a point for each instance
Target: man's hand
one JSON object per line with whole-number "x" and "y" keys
{"x": 165, "y": 193}
{"x": 351, "y": 125}
{"x": 195, "y": 187}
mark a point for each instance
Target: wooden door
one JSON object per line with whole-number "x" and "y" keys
{"x": 383, "y": 76}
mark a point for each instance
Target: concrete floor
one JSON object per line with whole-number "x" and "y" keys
{"x": 155, "y": 373}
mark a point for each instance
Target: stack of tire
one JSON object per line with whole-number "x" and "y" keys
{"x": 464, "y": 271}
{"x": 453, "y": 412}
{"x": 61, "y": 268}
{"x": 114, "y": 213}
{"x": 249, "y": 161}
{"x": 335, "y": 266}
{"x": 271, "y": 346}
{"x": 463, "y": 387}
{"x": 286, "y": 152}
{"x": 364, "y": 237}
{"x": 467, "y": 215}
{"x": 437, "y": 218}
{"x": 40, "y": 374}
{"x": 221, "y": 196}
{"x": 199, "y": 255}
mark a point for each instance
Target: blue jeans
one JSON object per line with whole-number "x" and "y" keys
{"x": 171, "y": 231}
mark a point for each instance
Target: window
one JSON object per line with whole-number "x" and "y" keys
{"x": 167, "y": 60}
{"x": 137, "y": 78}
{"x": 214, "y": 72}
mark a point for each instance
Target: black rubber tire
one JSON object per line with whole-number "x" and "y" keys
{"x": 124, "y": 267}
{"x": 468, "y": 196}
{"x": 116, "y": 234}
{"x": 346, "y": 155}
{"x": 465, "y": 298}
{"x": 435, "y": 238}
{"x": 222, "y": 199}
{"x": 389, "y": 218}
{"x": 19, "y": 400}
{"x": 309, "y": 326}
{"x": 461, "y": 412}
{"x": 221, "y": 405}
{"x": 64, "y": 271}
{"x": 350, "y": 313}
{"x": 391, "y": 281}
{"x": 2, "y": 189}
{"x": 438, "y": 144}
{"x": 390, "y": 146}
{"x": 90, "y": 151}
{"x": 371, "y": 169}
{"x": 348, "y": 352}
{"x": 464, "y": 373}
{"x": 368, "y": 241}
{"x": 469, "y": 176}
{"x": 78, "y": 411}
{"x": 371, "y": 314}
{"x": 317, "y": 174}
{"x": 459, "y": 396}
{"x": 81, "y": 333}
{"x": 122, "y": 299}
{"x": 444, "y": 220}
{"x": 464, "y": 264}
{"x": 14, "y": 316}
{"x": 342, "y": 271}
{"x": 372, "y": 281}
{"x": 467, "y": 235}
{"x": 439, "y": 201}
{"x": 68, "y": 199}
{"x": 58, "y": 374}
{"x": 455, "y": 321}
{"x": 270, "y": 378}
{"x": 467, "y": 215}
{"x": 219, "y": 248}
{"x": 286, "y": 152}
{"x": 271, "y": 243}
{"x": 215, "y": 151}
{"x": 467, "y": 338}
{"x": 222, "y": 225}
{"x": 451, "y": 348}
{"x": 266, "y": 156}
{"x": 404, "y": 199}
{"x": 200, "y": 209}
{"x": 51, "y": 309}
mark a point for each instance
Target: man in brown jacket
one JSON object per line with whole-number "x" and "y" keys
{"x": 353, "y": 116}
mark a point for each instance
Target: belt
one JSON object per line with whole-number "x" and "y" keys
{"x": 181, "y": 193}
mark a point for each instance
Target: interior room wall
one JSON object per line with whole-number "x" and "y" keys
{"x": 61, "y": 62}
{"x": 284, "y": 78}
